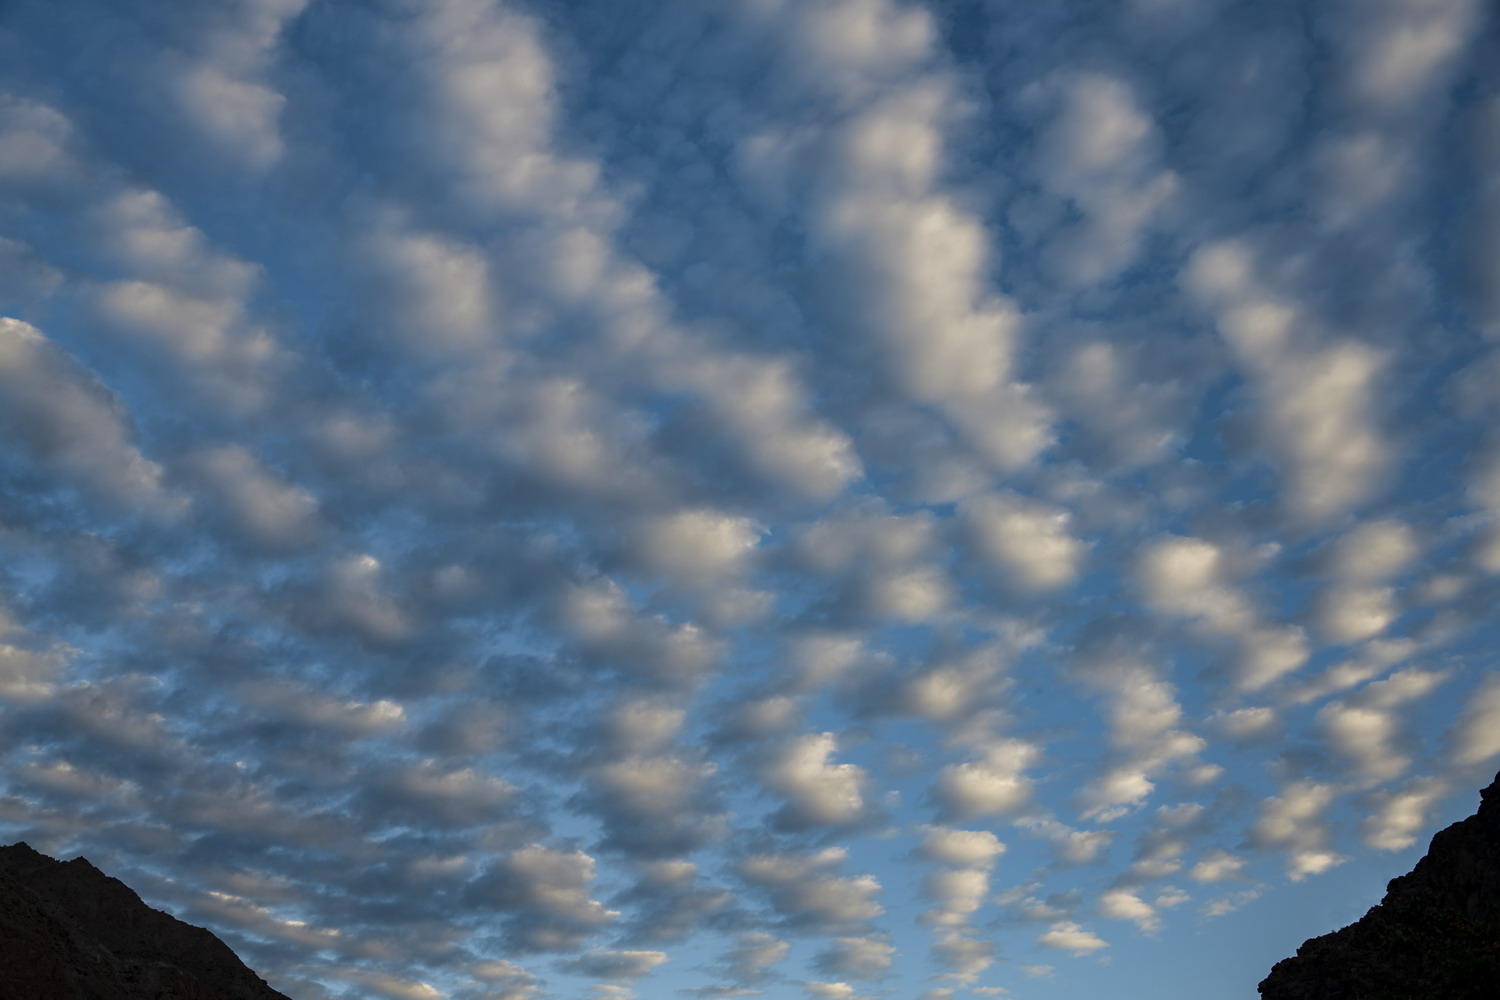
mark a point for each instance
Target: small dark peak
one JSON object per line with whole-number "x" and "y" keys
{"x": 1435, "y": 935}
{"x": 70, "y": 932}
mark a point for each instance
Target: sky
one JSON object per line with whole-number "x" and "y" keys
{"x": 830, "y": 499}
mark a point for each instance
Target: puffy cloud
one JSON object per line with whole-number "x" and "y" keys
{"x": 1249, "y": 723}
{"x": 804, "y": 893}
{"x": 669, "y": 901}
{"x": 996, "y": 783}
{"x": 1353, "y": 613}
{"x": 431, "y": 793}
{"x": 1030, "y": 542}
{"x": 1102, "y": 152}
{"x": 907, "y": 261}
{"x": 857, "y": 957}
{"x": 600, "y": 616}
{"x": 1398, "y": 51}
{"x": 262, "y": 507}
{"x": 1267, "y": 654}
{"x": 1216, "y": 866}
{"x": 1070, "y": 847}
{"x": 1374, "y": 551}
{"x": 697, "y": 544}
{"x": 1294, "y": 820}
{"x": 961, "y": 848}
{"x": 1400, "y": 815}
{"x": 753, "y": 955}
{"x": 1366, "y": 728}
{"x": 831, "y": 991}
{"x": 30, "y": 665}
{"x": 61, "y": 414}
{"x": 414, "y": 418}
{"x": 1188, "y": 578}
{"x": 507, "y": 979}
{"x": 306, "y": 706}
{"x": 1066, "y": 935}
{"x": 1476, "y": 736}
{"x": 543, "y": 894}
{"x": 620, "y": 966}
{"x": 1144, "y": 717}
{"x": 1318, "y": 413}
{"x": 653, "y": 805}
{"x": 389, "y": 986}
{"x": 818, "y": 792}
{"x": 1122, "y": 904}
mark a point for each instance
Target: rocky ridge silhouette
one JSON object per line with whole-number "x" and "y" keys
{"x": 1435, "y": 935}
{"x": 70, "y": 932}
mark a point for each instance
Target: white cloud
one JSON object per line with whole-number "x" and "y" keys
{"x": 1065, "y": 935}
{"x": 1374, "y": 551}
{"x": 831, "y": 991}
{"x": 1476, "y": 736}
{"x": 996, "y": 783}
{"x": 1318, "y": 413}
{"x": 619, "y": 966}
{"x": 1216, "y": 866}
{"x": 545, "y": 894}
{"x": 961, "y": 848}
{"x": 1248, "y": 723}
{"x": 260, "y": 504}
{"x": 1400, "y": 815}
{"x": 802, "y": 890}
{"x": 1188, "y": 578}
{"x": 1366, "y": 729}
{"x": 1102, "y": 152}
{"x": 1122, "y": 904}
{"x": 818, "y": 792}
{"x": 753, "y": 954}
{"x": 1353, "y": 613}
{"x": 60, "y": 413}
{"x": 698, "y": 546}
{"x": 857, "y": 957}
{"x": 1294, "y": 821}
{"x": 1029, "y": 541}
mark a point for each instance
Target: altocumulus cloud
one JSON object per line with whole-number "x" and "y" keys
{"x": 521, "y": 499}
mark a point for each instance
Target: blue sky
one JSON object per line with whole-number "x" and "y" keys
{"x": 834, "y": 499}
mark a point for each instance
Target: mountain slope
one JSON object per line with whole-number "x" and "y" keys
{"x": 1436, "y": 934}
{"x": 70, "y": 932}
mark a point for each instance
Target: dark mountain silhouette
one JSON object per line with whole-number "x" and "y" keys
{"x": 1435, "y": 935}
{"x": 70, "y": 932}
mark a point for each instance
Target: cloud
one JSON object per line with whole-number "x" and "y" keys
{"x": 1122, "y": 904}
{"x": 803, "y": 892}
{"x": 618, "y": 966}
{"x": 1065, "y": 935}
{"x": 1294, "y": 820}
{"x": 961, "y": 848}
{"x": 262, "y": 508}
{"x": 1366, "y": 728}
{"x": 1029, "y": 542}
{"x": 817, "y": 792}
{"x": 1476, "y": 736}
{"x": 1318, "y": 413}
{"x": 1216, "y": 866}
{"x": 1101, "y": 151}
{"x": 995, "y": 783}
{"x": 63, "y": 417}
{"x": 753, "y": 955}
{"x": 614, "y": 480}
{"x": 857, "y": 957}
{"x": 543, "y": 896}
{"x": 1401, "y": 815}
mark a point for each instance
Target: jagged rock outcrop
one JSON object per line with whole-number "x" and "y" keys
{"x": 70, "y": 932}
{"x": 1435, "y": 935}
